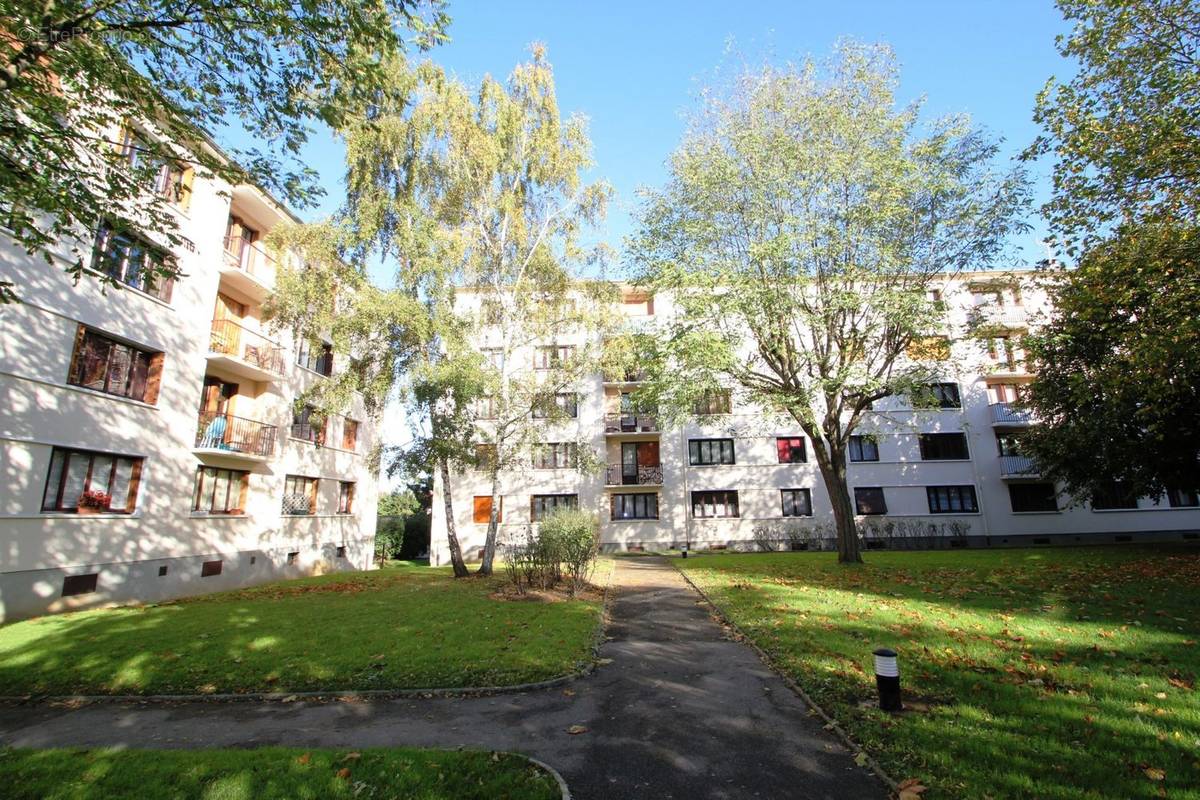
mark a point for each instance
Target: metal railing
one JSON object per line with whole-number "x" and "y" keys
{"x": 630, "y": 423}
{"x": 249, "y": 257}
{"x": 231, "y": 339}
{"x": 618, "y": 475}
{"x": 1005, "y": 414}
{"x": 1013, "y": 466}
{"x": 218, "y": 431}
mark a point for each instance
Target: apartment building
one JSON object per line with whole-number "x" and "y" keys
{"x": 952, "y": 472}
{"x": 148, "y": 438}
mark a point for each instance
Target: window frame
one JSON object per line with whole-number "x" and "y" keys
{"x": 555, "y": 455}
{"x": 1175, "y": 498}
{"x": 696, "y": 452}
{"x": 148, "y": 252}
{"x": 859, "y": 501}
{"x": 706, "y": 499}
{"x": 930, "y": 452}
{"x": 566, "y": 402}
{"x": 310, "y": 487}
{"x": 862, "y": 441}
{"x": 133, "y": 480}
{"x": 147, "y": 382}
{"x": 633, "y": 500}
{"x": 347, "y": 494}
{"x": 550, "y": 356}
{"x": 721, "y": 400}
{"x": 303, "y": 429}
{"x": 242, "y": 478}
{"x": 350, "y": 434}
{"x": 1119, "y": 500}
{"x": 951, "y": 494}
{"x": 793, "y": 494}
{"x": 1023, "y": 486}
{"x": 542, "y": 504}
{"x": 791, "y": 449}
{"x": 322, "y": 364}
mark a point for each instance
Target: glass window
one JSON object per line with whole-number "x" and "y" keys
{"x": 542, "y": 504}
{"x": 1032, "y": 497}
{"x": 863, "y": 448}
{"x": 951, "y": 499}
{"x": 1116, "y": 494}
{"x": 113, "y": 367}
{"x": 349, "y": 434}
{"x": 346, "y": 497}
{"x": 943, "y": 446}
{"x": 703, "y": 452}
{"x": 555, "y": 455}
{"x": 1183, "y": 498}
{"x": 552, "y": 356}
{"x": 791, "y": 450}
{"x": 307, "y": 425}
{"x": 634, "y": 506}
{"x": 131, "y": 261}
{"x": 318, "y": 359}
{"x": 796, "y": 502}
{"x": 299, "y": 495}
{"x": 99, "y": 482}
{"x": 219, "y": 491}
{"x": 870, "y": 500}
{"x": 563, "y": 403}
{"x": 723, "y": 503}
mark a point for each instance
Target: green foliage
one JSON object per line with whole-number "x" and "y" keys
{"x": 1118, "y": 384}
{"x": 404, "y": 523}
{"x": 1122, "y": 131}
{"x": 271, "y": 773}
{"x": 73, "y": 73}
{"x": 1065, "y": 674}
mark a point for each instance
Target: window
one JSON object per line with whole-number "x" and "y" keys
{"x": 1032, "y": 497}
{"x": 939, "y": 395}
{"x": 493, "y": 356}
{"x": 308, "y": 425}
{"x": 349, "y": 434}
{"x": 943, "y": 446}
{"x": 80, "y": 584}
{"x": 293, "y": 557}
{"x": 1005, "y": 349}
{"x": 796, "y": 502}
{"x": 869, "y": 500}
{"x": 485, "y": 407}
{"x": 718, "y": 402}
{"x": 791, "y": 450}
{"x": 542, "y": 504}
{"x": 638, "y": 305}
{"x": 986, "y": 296}
{"x": 864, "y": 448}
{"x": 220, "y": 491}
{"x": 722, "y": 503}
{"x": 113, "y": 367}
{"x": 555, "y": 455}
{"x": 485, "y": 456}
{"x": 1117, "y": 494}
{"x": 167, "y": 178}
{"x": 210, "y": 568}
{"x": 299, "y": 495}
{"x": 346, "y": 497}
{"x": 110, "y": 481}
{"x": 1183, "y": 498}
{"x": 1009, "y": 444}
{"x": 134, "y": 262}
{"x": 564, "y": 403}
{"x": 552, "y": 356}
{"x": 340, "y": 552}
{"x": 318, "y": 359}
{"x": 634, "y": 506}
{"x": 703, "y": 452}
{"x": 1006, "y": 392}
{"x": 483, "y": 509}
{"x": 933, "y": 295}
{"x": 951, "y": 499}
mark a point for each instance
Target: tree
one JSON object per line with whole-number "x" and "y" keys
{"x": 163, "y": 72}
{"x": 802, "y": 222}
{"x": 1122, "y": 131}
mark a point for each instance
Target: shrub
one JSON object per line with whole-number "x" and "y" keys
{"x": 572, "y": 537}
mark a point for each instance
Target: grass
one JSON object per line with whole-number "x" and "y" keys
{"x": 401, "y": 627}
{"x": 272, "y": 773}
{"x": 1055, "y": 673}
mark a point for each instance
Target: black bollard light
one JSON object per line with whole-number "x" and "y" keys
{"x": 887, "y": 679}
{"x": 685, "y": 551}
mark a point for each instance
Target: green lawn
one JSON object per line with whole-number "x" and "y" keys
{"x": 1055, "y": 673}
{"x": 402, "y": 627}
{"x": 272, "y": 773}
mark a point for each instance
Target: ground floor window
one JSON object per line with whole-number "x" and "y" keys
{"x": 542, "y": 504}
{"x": 951, "y": 499}
{"x": 723, "y": 503}
{"x": 93, "y": 481}
{"x": 1033, "y": 497}
{"x": 1183, "y": 498}
{"x": 1116, "y": 494}
{"x": 869, "y": 500}
{"x": 634, "y": 506}
{"x": 796, "y": 502}
{"x": 220, "y": 491}
{"x": 299, "y": 495}
{"x": 346, "y": 497}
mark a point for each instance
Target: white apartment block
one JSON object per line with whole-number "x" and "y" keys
{"x": 147, "y": 436}
{"x": 712, "y": 481}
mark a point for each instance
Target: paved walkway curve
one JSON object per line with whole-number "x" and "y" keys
{"x": 681, "y": 712}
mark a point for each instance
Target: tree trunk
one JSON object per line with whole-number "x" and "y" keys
{"x": 460, "y": 568}
{"x": 489, "y": 546}
{"x": 833, "y": 471}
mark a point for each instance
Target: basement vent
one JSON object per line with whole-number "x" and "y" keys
{"x": 799, "y": 545}
{"x": 1123, "y": 538}
{"x": 162, "y": 571}
{"x": 79, "y": 584}
{"x": 876, "y": 544}
{"x": 958, "y": 543}
{"x": 1042, "y": 540}
{"x": 341, "y": 551}
{"x": 210, "y": 568}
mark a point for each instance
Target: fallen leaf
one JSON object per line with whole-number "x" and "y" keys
{"x": 576, "y": 729}
{"x": 343, "y": 773}
{"x": 861, "y": 759}
{"x": 303, "y": 759}
{"x": 351, "y": 757}
{"x": 1155, "y": 774}
{"x": 911, "y": 789}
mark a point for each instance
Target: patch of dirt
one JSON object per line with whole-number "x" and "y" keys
{"x": 556, "y": 595}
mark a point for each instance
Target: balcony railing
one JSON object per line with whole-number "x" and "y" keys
{"x": 1017, "y": 466}
{"x": 630, "y": 423}
{"x": 217, "y": 431}
{"x": 231, "y": 339}
{"x": 999, "y": 316}
{"x": 250, "y": 257}
{"x": 628, "y": 376}
{"x": 621, "y": 475}
{"x": 1005, "y": 414}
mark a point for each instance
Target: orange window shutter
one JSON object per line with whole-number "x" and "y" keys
{"x": 153, "y": 379}
{"x": 135, "y": 481}
{"x": 76, "y": 353}
{"x": 185, "y": 187}
{"x": 244, "y": 482}
{"x": 312, "y": 496}
{"x": 483, "y": 509}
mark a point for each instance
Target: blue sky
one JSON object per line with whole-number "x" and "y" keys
{"x": 633, "y": 68}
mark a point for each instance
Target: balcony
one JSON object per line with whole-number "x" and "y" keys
{"x": 244, "y": 352}
{"x": 237, "y": 437}
{"x": 246, "y": 266}
{"x": 995, "y": 316}
{"x": 1017, "y": 467}
{"x": 616, "y": 424}
{"x": 1005, "y": 414}
{"x": 1005, "y": 368}
{"x": 620, "y": 475}
{"x": 627, "y": 377}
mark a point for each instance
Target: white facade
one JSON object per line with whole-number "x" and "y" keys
{"x": 170, "y": 543}
{"x": 978, "y": 489}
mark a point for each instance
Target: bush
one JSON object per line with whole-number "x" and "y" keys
{"x": 564, "y": 546}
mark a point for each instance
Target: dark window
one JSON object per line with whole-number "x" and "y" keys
{"x": 79, "y": 584}
{"x": 308, "y": 425}
{"x": 1116, "y": 494}
{"x": 796, "y": 502}
{"x": 1183, "y": 498}
{"x": 134, "y": 262}
{"x": 542, "y": 504}
{"x": 299, "y": 495}
{"x": 341, "y": 551}
{"x": 703, "y": 452}
{"x": 715, "y": 504}
{"x": 555, "y": 455}
{"x": 220, "y": 491}
{"x": 563, "y": 403}
{"x": 939, "y": 395}
{"x": 96, "y": 481}
{"x": 1032, "y": 497}
{"x": 346, "y": 497}
{"x": 634, "y": 506}
{"x": 113, "y": 367}
{"x": 1009, "y": 444}
{"x": 293, "y": 556}
{"x": 951, "y": 499}
{"x": 863, "y": 448}
{"x": 943, "y": 446}
{"x": 718, "y": 402}
{"x": 552, "y": 356}
{"x": 162, "y": 571}
{"x": 791, "y": 450}
{"x": 869, "y": 500}
{"x": 318, "y": 359}
{"x": 210, "y": 568}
